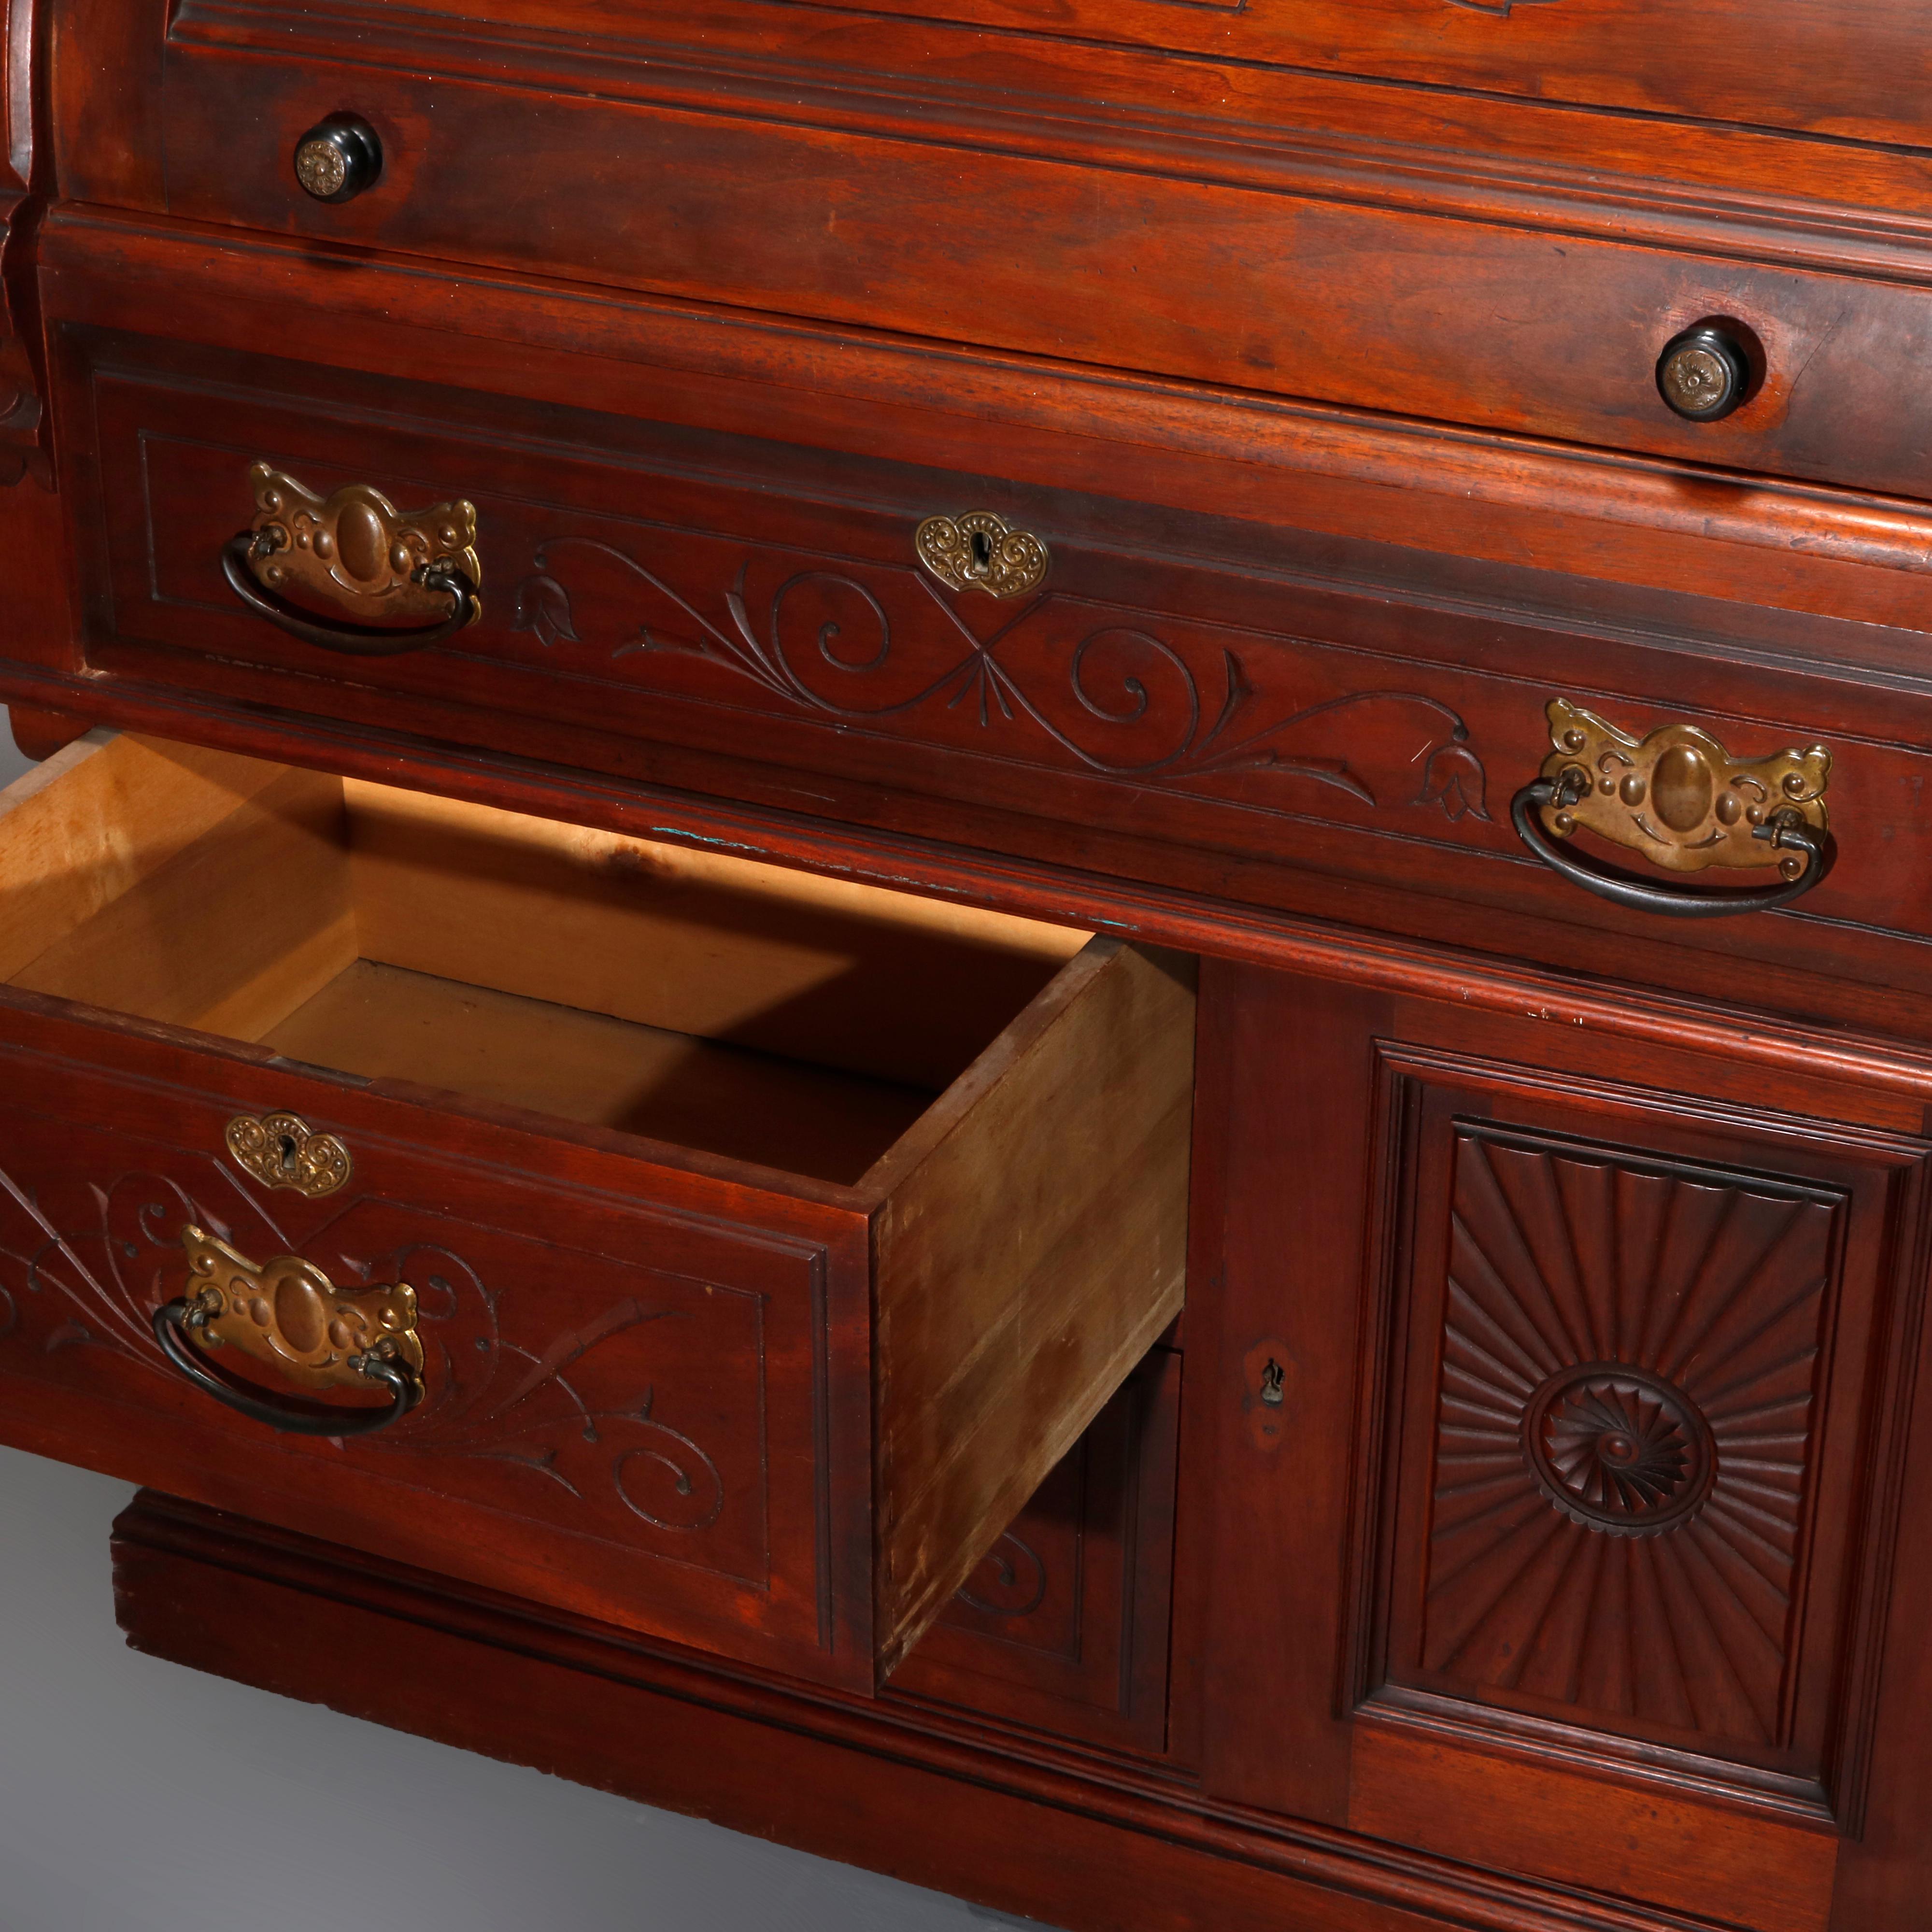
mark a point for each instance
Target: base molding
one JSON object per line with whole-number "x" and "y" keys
{"x": 1088, "y": 1845}
{"x": 40, "y": 734}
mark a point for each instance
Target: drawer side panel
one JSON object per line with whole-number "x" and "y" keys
{"x": 1026, "y": 1265}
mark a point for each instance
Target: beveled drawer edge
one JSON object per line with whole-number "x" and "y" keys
{"x": 1303, "y": 450}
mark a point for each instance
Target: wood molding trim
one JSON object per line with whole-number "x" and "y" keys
{"x": 291, "y": 1615}
{"x": 1886, "y": 1044}
{"x": 1457, "y": 492}
{"x": 1171, "y": 114}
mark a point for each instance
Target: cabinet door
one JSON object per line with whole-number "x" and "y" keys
{"x": 1553, "y": 1478}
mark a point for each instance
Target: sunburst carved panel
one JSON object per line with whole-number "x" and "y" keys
{"x": 1625, "y": 1422}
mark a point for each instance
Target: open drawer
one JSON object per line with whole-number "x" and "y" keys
{"x": 717, "y": 1250}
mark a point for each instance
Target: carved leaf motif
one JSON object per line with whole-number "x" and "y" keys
{"x": 491, "y": 1399}
{"x": 1119, "y": 700}
{"x": 488, "y": 1397}
{"x": 543, "y": 606}
{"x": 1625, "y": 1430}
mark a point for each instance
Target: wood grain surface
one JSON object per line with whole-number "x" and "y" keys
{"x": 816, "y": 1353}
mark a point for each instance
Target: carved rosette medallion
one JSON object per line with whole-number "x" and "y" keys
{"x": 1619, "y": 1450}
{"x": 1628, "y": 1372}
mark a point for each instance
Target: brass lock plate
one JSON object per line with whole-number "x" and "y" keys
{"x": 283, "y": 1151}
{"x": 981, "y": 551}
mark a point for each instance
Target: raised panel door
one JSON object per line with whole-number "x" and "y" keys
{"x": 1553, "y": 1471}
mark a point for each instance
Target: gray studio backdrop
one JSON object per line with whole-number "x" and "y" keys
{"x": 135, "y": 1796}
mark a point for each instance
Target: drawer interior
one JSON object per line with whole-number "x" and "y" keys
{"x": 739, "y": 1009}
{"x": 933, "y": 1164}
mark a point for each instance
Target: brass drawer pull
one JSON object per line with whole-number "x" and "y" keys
{"x": 1678, "y": 797}
{"x": 1704, "y": 373}
{"x": 288, "y": 1315}
{"x": 355, "y": 549}
{"x": 338, "y": 157}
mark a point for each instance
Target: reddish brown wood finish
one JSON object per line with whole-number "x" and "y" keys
{"x": 112, "y": 1142}
{"x": 1063, "y": 1628}
{"x": 40, "y": 734}
{"x": 705, "y": 1387}
{"x": 904, "y": 68}
{"x": 1444, "y": 489}
{"x": 1316, "y": 340}
{"x": 25, "y": 168}
{"x": 1186, "y": 153}
{"x": 654, "y": 603}
{"x": 1466, "y": 1640}
{"x": 1416, "y": 314}
{"x": 1025, "y": 1828}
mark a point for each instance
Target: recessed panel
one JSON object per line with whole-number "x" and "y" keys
{"x": 1626, "y": 1416}
{"x": 1627, "y": 1373}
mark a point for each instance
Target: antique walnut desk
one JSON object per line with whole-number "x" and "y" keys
{"x": 1001, "y": 930}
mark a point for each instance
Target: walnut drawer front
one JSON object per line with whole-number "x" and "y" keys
{"x": 769, "y": 1238}
{"x": 1530, "y": 327}
{"x": 752, "y": 620}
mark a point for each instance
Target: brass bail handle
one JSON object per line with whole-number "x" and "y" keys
{"x": 385, "y": 567}
{"x": 287, "y": 1314}
{"x": 1677, "y": 797}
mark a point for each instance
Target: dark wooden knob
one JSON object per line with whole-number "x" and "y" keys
{"x": 337, "y": 158}
{"x": 1702, "y": 375}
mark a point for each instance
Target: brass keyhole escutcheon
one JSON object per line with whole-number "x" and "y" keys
{"x": 283, "y": 1151}
{"x": 981, "y": 551}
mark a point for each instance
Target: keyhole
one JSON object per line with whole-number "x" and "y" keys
{"x": 288, "y": 1152}
{"x": 1271, "y": 1382}
{"x": 983, "y": 549}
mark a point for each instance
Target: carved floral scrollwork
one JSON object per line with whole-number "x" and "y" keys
{"x": 1124, "y": 701}
{"x": 491, "y": 1399}
{"x": 1010, "y": 1582}
{"x": 488, "y": 1397}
